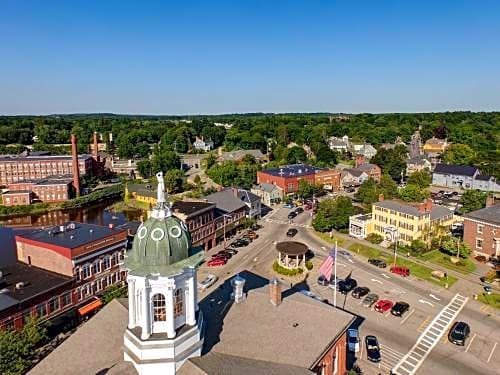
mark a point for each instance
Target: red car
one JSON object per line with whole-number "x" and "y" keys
{"x": 403, "y": 271}
{"x": 383, "y": 305}
{"x": 216, "y": 262}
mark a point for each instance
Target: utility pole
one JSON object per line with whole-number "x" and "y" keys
{"x": 335, "y": 276}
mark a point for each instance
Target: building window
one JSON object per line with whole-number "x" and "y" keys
{"x": 85, "y": 271}
{"x": 66, "y": 299}
{"x": 336, "y": 361}
{"x": 53, "y": 305}
{"x": 159, "y": 308}
{"x": 107, "y": 263}
{"x": 96, "y": 266}
{"x": 41, "y": 310}
{"x": 178, "y": 303}
{"x": 480, "y": 228}
{"x": 479, "y": 243}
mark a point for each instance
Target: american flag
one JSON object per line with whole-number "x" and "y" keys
{"x": 327, "y": 267}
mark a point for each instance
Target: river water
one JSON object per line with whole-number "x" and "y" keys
{"x": 101, "y": 214}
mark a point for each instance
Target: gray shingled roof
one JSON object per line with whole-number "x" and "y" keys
{"x": 96, "y": 345}
{"x": 399, "y": 207}
{"x": 266, "y": 187}
{"x": 223, "y": 364}
{"x": 488, "y": 214}
{"x": 225, "y": 200}
{"x": 439, "y": 212}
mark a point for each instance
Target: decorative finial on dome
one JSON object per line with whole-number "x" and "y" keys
{"x": 162, "y": 209}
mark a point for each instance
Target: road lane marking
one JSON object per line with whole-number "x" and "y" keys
{"x": 407, "y": 316}
{"x": 470, "y": 342}
{"x": 387, "y": 277}
{"x": 423, "y": 324}
{"x": 433, "y": 296}
{"x": 376, "y": 281}
{"x": 425, "y": 302}
{"x": 350, "y": 260}
{"x": 491, "y": 353}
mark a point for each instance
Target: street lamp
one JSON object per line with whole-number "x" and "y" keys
{"x": 224, "y": 217}
{"x": 392, "y": 235}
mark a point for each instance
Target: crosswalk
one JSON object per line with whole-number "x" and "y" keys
{"x": 431, "y": 335}
{"x": 284, "y": 222}
{"x": 389, "y": 357}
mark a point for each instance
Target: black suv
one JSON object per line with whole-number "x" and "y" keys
{"x": 345, "y": 286}
{"x": 291, "y": 215}
{"x": 299, "y": 210}
{"x": 372, "y": 349}
{"x": 399, "y": 308}
{"x": 377, "y": 262}
{"x": 459, "y": 333}
{"x": 291, "y": 232}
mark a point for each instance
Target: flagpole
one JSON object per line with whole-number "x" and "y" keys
{"x": 335, "y": 276}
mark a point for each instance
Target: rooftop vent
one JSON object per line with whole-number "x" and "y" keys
{"x": 20, "y": 285}
{"x": 238, "y": 284}
{"x": 91, "y": 230}
{"x": 71, "y": 237}
{"x": 61, "y": 228}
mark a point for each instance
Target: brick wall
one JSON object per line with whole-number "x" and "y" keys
{"x": 338, "y": 350}
{"x": 54, "y": 261}
{"x": 481, "y": 243}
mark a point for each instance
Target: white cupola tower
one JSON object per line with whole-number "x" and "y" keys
{"x": 165, "y": 325}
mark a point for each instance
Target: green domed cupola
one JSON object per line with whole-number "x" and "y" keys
{"x": 162, "y": 244}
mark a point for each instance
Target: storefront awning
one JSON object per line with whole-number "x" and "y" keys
{"x": 90, "y": 307}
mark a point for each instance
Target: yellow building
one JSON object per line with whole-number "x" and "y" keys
{"x": 408, "y": 222}
{"x": 142, "y": 193}
{"x": 435, "y": 146}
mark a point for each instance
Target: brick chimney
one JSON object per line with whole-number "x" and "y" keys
{"x": 96, "y": 147}
{"x": 275, "y": 291}
{"x": 76, "y": 168}
{"x": 425, "y": 206}
{"x": 490, "y": 201}
{"x": 360, "y": 159}
{"x": 381, "y": 197}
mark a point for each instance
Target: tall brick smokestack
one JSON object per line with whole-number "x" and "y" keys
{"x": 95, "y": 153}
{"x": 76, "y": 168}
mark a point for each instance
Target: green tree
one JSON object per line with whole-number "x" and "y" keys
{"x": 295, "y": 155}
{"x": 210, "y": 160}
{"x": 387, "y": 187}
{"x": 458, "y": 153}
{"x": 144, "y": 168}
{"x": 368, "y": 192}
{"x": 413, "y": 193}
{"x": 473, "y": 200}
{"x": 392, "y": 162}
{"x": 422, "y": 179}
{"x": 450, "y": 245}
{"x": 333, "y": 214}
{"x": 164, "y": 160}
{"x": 173, "y": 180}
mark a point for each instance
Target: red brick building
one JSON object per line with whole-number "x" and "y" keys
{"x": 200, "y": 220}
{"x": 288, "y": 176}
{"x": 18, "y": 168}
{"x": 51, "y": 189}
{"x": 89, "y": 253}
{"x": 482, "y": 231}
{"x": 328, "y": 178}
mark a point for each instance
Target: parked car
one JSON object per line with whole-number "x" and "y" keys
{"x": 459, "y": 333}
{"x": 403, "y": 271}
{"x": 372, "y": 348}
{"x": 344, "y": 253}
{"x": 207, "y": 282}
{"x": 288, "y": 205}
{"x": 377, "y": 262}
{"x": 252, "y": 235}
{"x": 291, "y": 232}
{"x": 350, "y": 190}
{"x": 487, "y": 289}
{"x": 360, "y": 291}
{"x": 225, "y": 253}
{"x": 322, "y": 280}
{"x": 299, "y": 210}
{"x": 383, "y": 305}
{"x": 400, "y": 308}
{"x": 247, "y": 237}
{"x": 255, "y": 227}
{"x": 353, "y": 340}
{"x": 232, "y": 251}
{"x": 370, "y": 299}
{"x": 216, "y": 262}
{"x": 345, "y": 286}
{"x": 240, "y": 243}
{"x": 291, "y": 215}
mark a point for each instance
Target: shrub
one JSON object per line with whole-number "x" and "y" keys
{"x": 374, "y": 238}
{"x": 285, "y": 271}
{"x": 309, "y": 265}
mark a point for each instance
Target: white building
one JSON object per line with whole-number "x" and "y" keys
{"x": 202, "y": 145}
{"x": 164, "y": 323}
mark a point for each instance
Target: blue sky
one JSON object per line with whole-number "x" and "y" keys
{"x": 189, "y": 57}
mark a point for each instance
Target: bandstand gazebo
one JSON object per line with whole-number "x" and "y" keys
{"x": 291, "y": 254}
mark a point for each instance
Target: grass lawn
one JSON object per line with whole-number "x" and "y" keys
{"x": 492, "y": 299}
{"x": 465, "y": 266}
{"x": 326, "y": 237}
{"x": 417, "y": 270}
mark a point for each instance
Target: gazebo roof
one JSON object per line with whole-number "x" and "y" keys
{"x": 291, "y": 248}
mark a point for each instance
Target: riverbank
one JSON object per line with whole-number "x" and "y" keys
{"x": 7, "y": 212}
